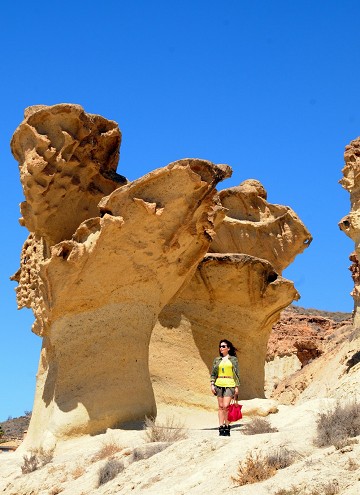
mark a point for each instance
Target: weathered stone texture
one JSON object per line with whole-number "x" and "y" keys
{"x": 254, "y": 226}
{"x": 67, "y": 161}
{"x": 234, "y": 296}
{"x": 350, "y": 224}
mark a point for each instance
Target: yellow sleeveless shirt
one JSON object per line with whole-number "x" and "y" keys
{"x": 225, "y": 375}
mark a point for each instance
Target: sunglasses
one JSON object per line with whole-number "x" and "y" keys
{"x": 222, "y": 346}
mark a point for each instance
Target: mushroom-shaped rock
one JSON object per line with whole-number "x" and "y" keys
{"x": 97, "y": 281}
{"x": 254, "y": 226}
{"x": 67, "y": 160}
{"x": 102, "y": 292}
{"x": 234, "y": 296}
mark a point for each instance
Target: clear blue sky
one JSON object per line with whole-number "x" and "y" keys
{"x": 269, "y": 87}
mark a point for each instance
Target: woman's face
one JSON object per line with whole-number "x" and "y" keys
{"x": 224, "y": 350}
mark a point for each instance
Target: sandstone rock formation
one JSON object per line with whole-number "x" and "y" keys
{"x": 236, "y": 293}
{"x": 97, "y": 279}
{"x": 258, "y": 228}
{"x": 350, "y": 224}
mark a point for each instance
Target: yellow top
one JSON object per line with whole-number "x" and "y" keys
{"x": 225, "y": 376}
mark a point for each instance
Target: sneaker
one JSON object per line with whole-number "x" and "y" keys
{"x": 226, "y": 430}
{"x": 222, "y": 430}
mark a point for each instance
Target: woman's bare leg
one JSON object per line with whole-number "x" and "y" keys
{"x": 225, "y": 407}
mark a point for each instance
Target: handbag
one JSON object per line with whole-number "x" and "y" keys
{"x": 234, "y": 411}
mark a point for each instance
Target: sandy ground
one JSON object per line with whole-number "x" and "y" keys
{"x": 200, "y": 464}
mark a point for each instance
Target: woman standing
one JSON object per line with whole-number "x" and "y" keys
{"x": 225, "y": 381}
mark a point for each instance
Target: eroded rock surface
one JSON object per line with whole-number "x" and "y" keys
{"x": 350, "y": 224}
{"x": 67, "y": 160}
{"x": 236, "y": 293}
{"x": 254, "y": 226}
{"x": 97, "y": 286}
{"x": 232, "y": 296}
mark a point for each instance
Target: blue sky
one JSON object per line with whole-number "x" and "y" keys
{"x": 269, "y": 87}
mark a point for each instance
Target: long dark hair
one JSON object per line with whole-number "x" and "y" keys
{"x": 232, "y": 348}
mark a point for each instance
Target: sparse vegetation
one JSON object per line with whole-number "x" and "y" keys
{"x": 170, "y": 431}
{"x": 257, "y": 426}
{"x": 31, "y": 463}
{"x": 352, "y": 465}
{"x": 282, "y": 458}
{"x": 252, "y": 470}
{"x": 330, "y": 488}
{"x": 78, "y": 471}
{"x": 36, "y": 459}
{"x": 339, "y": 426}
{"x": 146, "y": 451}
{"x": 109, "y": 471}
{"x": 56, "y": 490}
{"x": 108, "y": 449}
{"x": 259, "y": 467}
{"x": 294, "y": 490}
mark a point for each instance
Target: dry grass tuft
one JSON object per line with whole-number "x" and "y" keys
{"x": 171, "y": 431}
{"x": 31, "y": 463}
{"x": 78, "y": 471}
{"x": 36, "y": 459}
{"x": 331, "y": 488}
{"x": 260, "y": 467}
{"x": 282, "y": 458}
{"x": 108, "y": 449}
{"x": 252, "y": 470}
{"x": 352, "y": 465}
{"x": 294, "y": 490}
{"x": 336, "y": 427}
{"x": 257, "y": 426}
{"x": 109, "y": 471}
{"x": 56, "y": 490}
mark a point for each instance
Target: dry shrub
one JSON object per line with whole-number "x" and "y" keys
{"x": 331, "y": 488}
{"x": 340, "y": 444}
{"x": 31, "y": 463}
{"x": 257, "y": 426}
{"x": 109, "y": 470}
{"x": 294, "y": 490}
{"x": 170, "y": 431}
{"x": 282, "y": 458}
{"x": 107, "y": 450}
{"x": 56, "y": 490}
{"x": 352, "y": 465}
{"x": 146, "y": 451}
{"x": 252, "y": 470}
{"x": 260, "y": 467}
{"x": 78, "y": 471}
{"x": 337, "y": 426}
{"x": 36, "y": 459}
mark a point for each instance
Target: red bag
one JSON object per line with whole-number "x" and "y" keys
{"x": 234, "y": 412}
